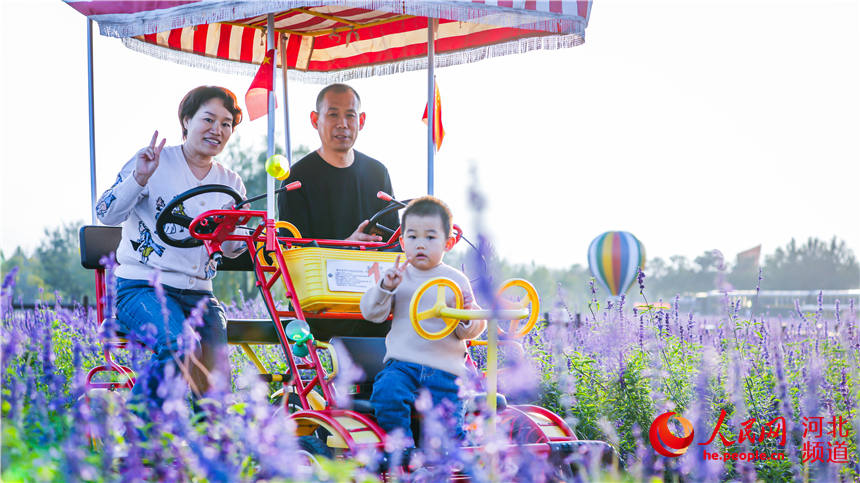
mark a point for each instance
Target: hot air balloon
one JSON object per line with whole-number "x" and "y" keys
{"x": 613, "y": 258}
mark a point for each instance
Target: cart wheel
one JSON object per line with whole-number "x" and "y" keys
{"x": 441, "y": 284}
{"x": 523, "y": 431}
{"x": 530, "y": 301}
{"x": 314, "y": 446}
{"x": 294, "y": 403}
{"x": 311, "y": 449}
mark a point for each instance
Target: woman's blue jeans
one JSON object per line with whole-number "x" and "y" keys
{"x": 141, "y": 316}
{"x": 396, "y": 387}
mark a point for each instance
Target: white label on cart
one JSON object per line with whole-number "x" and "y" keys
{"x": 354, "y": 275}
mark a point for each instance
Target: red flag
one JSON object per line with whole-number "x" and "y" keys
{"x": 257, "y": 97}
{"x": 438, "y": 130}
{"x": 749, "y": 258}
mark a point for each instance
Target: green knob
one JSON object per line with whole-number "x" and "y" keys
{"x": 299, "y": 333}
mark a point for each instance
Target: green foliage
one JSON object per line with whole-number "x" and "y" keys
{"x": 55, "y": 266}
{"x": 28, "y": 282}
{"x": 678, "y": 275}
{"x": 622, "y": 399}
{"x": 680, "y": 359}
{"x": 60, "y": 262}
{"x": 30, "y": 463}
{"x": 816, "y": 264}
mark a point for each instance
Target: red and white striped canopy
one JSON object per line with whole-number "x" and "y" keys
{"x": 338, "y": 40}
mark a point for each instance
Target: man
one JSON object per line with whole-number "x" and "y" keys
{"x": 339, "y": 184}
{"x": 338, "y": 193}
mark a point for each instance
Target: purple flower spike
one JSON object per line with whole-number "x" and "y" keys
{"x": 348, "y": 374}
{"x": 6, "y": 293}
{"x": 758, "y": 282}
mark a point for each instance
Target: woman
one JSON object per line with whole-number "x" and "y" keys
{"x": 150, "y": 180}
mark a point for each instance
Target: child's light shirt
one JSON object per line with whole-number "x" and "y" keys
{"x": 403, "y": 343}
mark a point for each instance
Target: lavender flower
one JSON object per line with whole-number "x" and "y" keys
{"x": 690, "y": 327}
{"x": 349, "y": 374}
{"x": 6, "y": 293}
{"x": 603, "y": 376}
{"x": 758, "y": 282}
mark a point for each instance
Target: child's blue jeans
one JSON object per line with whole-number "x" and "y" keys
{"x": 138, "y": 306}
{"x": 396, "y": 387}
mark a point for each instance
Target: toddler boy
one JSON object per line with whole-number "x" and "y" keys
{"x": 411, "y": 361}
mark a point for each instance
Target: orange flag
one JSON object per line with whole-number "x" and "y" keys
{"x": 438, "y": 130}
{"x": 257, "y": 97}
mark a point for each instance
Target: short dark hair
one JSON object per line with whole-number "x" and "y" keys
{"x": 201, "y": 95}
{"x": 429, "y": 206}
{"x": 335, "y": 88}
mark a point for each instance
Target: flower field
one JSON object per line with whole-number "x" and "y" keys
{"x": 748, "y": 383}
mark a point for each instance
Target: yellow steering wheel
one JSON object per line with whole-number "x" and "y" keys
{"x": 441, "y": 285}
{"x": 530, "y": 302}
{"x": 261, "y": 254}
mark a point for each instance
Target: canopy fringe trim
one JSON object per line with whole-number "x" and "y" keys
{"x": 519, "y": 46}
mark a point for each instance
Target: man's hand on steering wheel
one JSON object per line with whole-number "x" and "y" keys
{"x": 360, "y": 235}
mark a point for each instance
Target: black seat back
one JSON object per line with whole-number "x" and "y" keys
{"x": 98, "y": 241}
{"x": 366, "y": 353}
{"x": 253, "y": 331}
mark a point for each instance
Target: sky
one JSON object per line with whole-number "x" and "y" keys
{"x": 693, "y": 124}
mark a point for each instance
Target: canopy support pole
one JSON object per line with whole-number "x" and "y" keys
{"x": 91, "y": 121}
{"x": 288, "y": 151}
{"x": 431, "y": 100}
{"x": 271, "y": 245}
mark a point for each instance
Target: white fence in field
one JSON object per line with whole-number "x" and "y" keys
{"x": 774, "y": 302}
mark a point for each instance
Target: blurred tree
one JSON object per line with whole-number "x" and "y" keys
{"x": 664, "y": 280}
{"x": 28, "y": 281}
{"x": 554, "y": 285}
{"x": 744, "y": 277}
{"x": 814, "y": 265}
{"x": 59, "y": 263}
{"x": 251, "y": 168}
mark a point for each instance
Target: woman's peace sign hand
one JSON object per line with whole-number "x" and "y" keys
{"x": 147, "y": 160}
{"x": 393, "y": 276}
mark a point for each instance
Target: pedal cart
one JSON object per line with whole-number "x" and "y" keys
{"x": 324, "y": 279}
{"x": 325, "y": 42}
